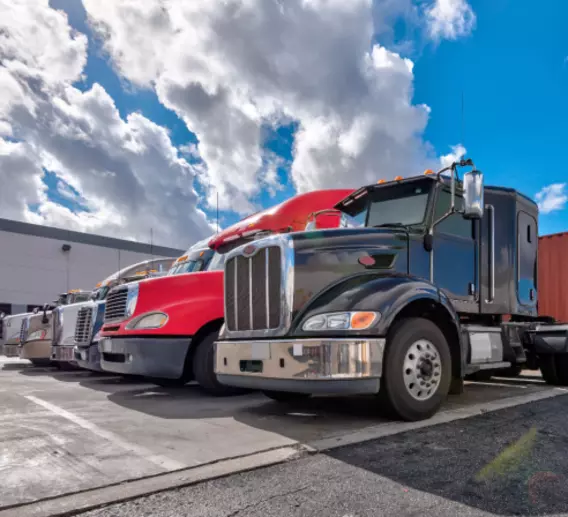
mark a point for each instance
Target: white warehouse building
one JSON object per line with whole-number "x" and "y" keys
{"x": 39, "y": 262}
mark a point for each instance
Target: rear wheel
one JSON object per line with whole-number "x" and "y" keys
{"x": 417, "y": 369}
{"x": 554, "y": 369}
{"x": 41, "y": 362}
{"x": 204, "y": 368}
{"x": 286, "y": 396}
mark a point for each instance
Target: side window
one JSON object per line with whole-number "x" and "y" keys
{"x": 455, "y": 224}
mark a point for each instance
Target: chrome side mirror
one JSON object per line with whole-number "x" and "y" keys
{"x": 473, "y": 194}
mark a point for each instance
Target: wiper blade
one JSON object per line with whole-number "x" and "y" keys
{"x": 396, "y": 225}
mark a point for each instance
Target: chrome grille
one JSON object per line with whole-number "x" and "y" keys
{"x": 116, "y": 304}
{"x": 24, "y": 330}
{"x": 83, "y": 326}
{"x": 253, "y": 290}
{"x": 57, "y": 328}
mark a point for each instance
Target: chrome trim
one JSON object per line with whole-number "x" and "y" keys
{"x": 236, "y": 285}
{"x": 286, "y": 245}
{"x": 295, "y": 360}
{"x": 491, "y": 243}
{"x": 250, "y": 293}
{"x": 267, "y": 287}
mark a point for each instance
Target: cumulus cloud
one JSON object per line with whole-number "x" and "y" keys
{"x": 449, "y": 19}
{"x": 228, "y": 68}
{"x": 552, "y": 197}
{"x": 125, "y": 172}
{"x": 457, "y": 153}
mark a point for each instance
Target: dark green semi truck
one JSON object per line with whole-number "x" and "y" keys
{"x": 438, "y": 282}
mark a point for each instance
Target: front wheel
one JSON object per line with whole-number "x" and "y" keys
{"x": 286, "y": 396}
{"x": 204, "y": 368}
{"x": 417, "y": 369}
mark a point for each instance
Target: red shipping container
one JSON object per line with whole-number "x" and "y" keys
{"x": 553, "y": 276}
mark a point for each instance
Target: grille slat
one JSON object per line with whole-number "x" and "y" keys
{"x": 83, "y": 326}
{"x": 253, "y": 290}
{"x": 24, "y": 330}
{"x": 116, "y": 305}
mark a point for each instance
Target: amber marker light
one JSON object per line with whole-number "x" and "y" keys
{"x": 362, "y": 320}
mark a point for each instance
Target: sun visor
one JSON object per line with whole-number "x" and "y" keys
{"x": 355, "y": 203}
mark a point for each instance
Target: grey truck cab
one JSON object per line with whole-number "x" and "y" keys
{"x": 439, "y": 283}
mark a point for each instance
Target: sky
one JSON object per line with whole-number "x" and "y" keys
{"x": 125, "y": 118}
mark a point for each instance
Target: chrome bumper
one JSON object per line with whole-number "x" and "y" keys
{"x": 303, "y": 365}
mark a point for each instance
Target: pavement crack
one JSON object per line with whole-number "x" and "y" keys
{"x": 266, "y": 499}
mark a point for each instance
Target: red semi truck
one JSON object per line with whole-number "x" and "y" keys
{"x": 165, "y": 328}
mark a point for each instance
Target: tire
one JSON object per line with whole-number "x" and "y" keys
{"x": 286, "y": 396}
{"x": 554, "y": 369}
{"x": 169, "y": 383}
{"x": 40, "y": 362}
{"x": 410, "y": 344}
{"x": 204, "y": 368}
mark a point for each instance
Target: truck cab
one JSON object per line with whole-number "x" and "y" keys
{"x": 440, "y": 283}
{"x": 36, "y": 331}
{"x": 83, "y": 327}
{"x": 164, "y": 329}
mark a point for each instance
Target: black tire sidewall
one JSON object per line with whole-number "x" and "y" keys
{"x": 402, "y": 336}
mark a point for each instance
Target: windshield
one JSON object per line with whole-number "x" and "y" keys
{"x": 401, "y": 205}
{"x": 192, "y": 262}
{"x": 217, "y": 262}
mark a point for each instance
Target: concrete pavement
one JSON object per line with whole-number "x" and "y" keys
{"x": 75, "y": 431}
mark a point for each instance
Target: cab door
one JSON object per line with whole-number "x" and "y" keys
{"x": 455, "y": 255}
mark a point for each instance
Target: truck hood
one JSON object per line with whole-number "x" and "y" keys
{"x": 326, "y": 257}
{"x": 35, "y": 324}
{"x": 65, "y": 320}
{"x": 159, "y": 294}
{"x": 12, "y": 327}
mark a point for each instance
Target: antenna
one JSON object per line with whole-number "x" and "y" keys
{"x": 152, "y": 244}
{"x": 462, "y": 130}
{"x": 217, "y": 211}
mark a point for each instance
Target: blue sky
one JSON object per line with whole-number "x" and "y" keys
{"x": 512, "y": 71}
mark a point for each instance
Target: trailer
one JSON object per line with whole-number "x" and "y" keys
{"x": 440, "y": 283}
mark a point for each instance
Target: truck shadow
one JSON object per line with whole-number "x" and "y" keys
{"x": 511, "y": 462}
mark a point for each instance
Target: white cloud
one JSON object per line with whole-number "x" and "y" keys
{"x": 449, "y": 19}
{"x": 128, "y": 174}
{"x": 551, "y": 198}
{"x": 227, "y": 68}
{"x": 457, "y": 153}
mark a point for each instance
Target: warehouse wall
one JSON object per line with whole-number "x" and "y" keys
{"x": 34, "y": 268}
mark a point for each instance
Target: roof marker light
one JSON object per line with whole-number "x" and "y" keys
{"x": 398, "y": 178}
{"x": 428, "y": 171}
{"x": 381, "y": 181}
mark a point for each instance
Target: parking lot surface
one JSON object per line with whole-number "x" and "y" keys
{"x": 507, "y": 463}
{"x": 70, "y": 431}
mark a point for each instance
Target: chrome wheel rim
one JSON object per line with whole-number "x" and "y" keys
{"x": 422, "y": 370}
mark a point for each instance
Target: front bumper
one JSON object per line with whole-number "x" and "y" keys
{"x": 11, "y": 350}
{"x": 88, "y": 357}
{"x": 39, "y": 349}
{"x": 341, "y": 366}
{"x": 63, "y": 354}
{"x": 150, "y": 357}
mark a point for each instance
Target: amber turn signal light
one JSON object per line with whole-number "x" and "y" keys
{"x": 362, "y": 320}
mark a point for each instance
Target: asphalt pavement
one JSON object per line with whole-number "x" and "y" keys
{"x": 506, "y": 463}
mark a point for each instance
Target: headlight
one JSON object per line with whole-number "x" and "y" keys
{"x": 38, "y": 334}
{"x": 155, "y": 320}
{"x": 341, "y": 321}
{"x": 131, "y": 299}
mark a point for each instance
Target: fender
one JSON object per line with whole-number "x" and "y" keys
{"x": 388, "y": 295}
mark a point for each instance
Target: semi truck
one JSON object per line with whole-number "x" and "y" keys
{"x": 36, "y": 331}
{"x": 83, "y": 330}
{"x": 165, "y": 328}
{"x": 440, "y": 283}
